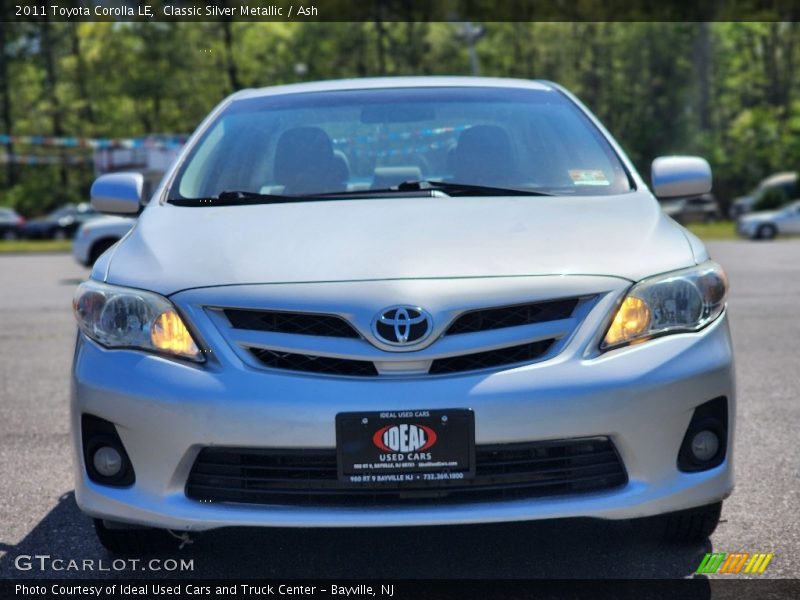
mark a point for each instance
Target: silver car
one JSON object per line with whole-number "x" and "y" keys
{"x": 765, "y": 225}
{"x": 98, "y": 235}
{"x": 396, "y": 302}
{"x": 782, "y": 184}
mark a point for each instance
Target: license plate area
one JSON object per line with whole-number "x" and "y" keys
{"x": 405, "y": 448}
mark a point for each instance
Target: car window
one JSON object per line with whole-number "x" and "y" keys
{"x": 372, "y": 139}
{"x": 790, "y": 189}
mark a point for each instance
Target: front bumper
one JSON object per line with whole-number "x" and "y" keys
{"x": 80, "y": 249}
{"x": 744, "y": 229}
{"x": 165, "y": 412}
{"x": 749, "y": 228}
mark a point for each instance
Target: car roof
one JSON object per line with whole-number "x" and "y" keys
{"x": 374, "y": 83}
{"x": 779, "y": 178}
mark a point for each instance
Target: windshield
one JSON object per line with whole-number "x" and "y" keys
{"x": 355, "y": 141}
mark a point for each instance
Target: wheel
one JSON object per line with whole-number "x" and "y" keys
{"x": 59, "y": 235}
{"x": 766, "y": 232}
{"x": 119, "y": 539}
{"x": 98, "y": 249}
{"x": 10, "y": 235}
{"x": 693, "y": 525}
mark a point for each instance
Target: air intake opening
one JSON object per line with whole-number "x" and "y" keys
{"x": 297, "y": 476}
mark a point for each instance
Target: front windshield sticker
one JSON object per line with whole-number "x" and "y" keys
{"x": 588, "y": 177}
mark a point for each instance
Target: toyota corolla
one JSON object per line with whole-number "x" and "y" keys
{"x": 397, "y": 302}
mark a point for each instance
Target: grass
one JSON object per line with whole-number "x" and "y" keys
{"x": 718, "y": 230}
{"x": 34, "y": 246}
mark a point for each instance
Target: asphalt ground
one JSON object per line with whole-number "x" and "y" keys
{"x": 38, "y": 515}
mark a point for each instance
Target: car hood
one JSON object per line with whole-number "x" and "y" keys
{"x": 175, "y": 248}
{"x": 764, "y": 215}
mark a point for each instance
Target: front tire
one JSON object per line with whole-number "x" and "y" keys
{"x": 132, "y": 541}
{"x": 766, "y": 232}
{"x": 690, "y": 526}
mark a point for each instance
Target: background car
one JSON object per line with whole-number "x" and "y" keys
{"x": 703, "y": 209}
{"x": 10, "y": 223}
{"x": 778, "y": 185}
{"x": 98, "y": 235}
{"x": 61, "y": 224}
{"x": 767, "y": 224}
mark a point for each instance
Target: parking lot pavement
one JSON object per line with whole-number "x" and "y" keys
{"x": 39, "y": 515}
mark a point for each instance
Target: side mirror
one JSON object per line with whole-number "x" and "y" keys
{"x": 680, "y": 176}
{"x": 118, "y": 193}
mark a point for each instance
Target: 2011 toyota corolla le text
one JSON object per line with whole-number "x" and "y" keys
{"x": 409, "y": 301}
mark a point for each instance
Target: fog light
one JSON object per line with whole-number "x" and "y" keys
{"x": 104, "y": 455}
{"x": 107, "y": 461}
{"x": 705, "y": 445}
{"x": 705, "y": 442}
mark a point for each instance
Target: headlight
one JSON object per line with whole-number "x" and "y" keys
{"x": 119, "y": 317}
{"x": 676, "y": 302}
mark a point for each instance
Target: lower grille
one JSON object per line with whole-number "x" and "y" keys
{"x": 315, "y": 364}
{"x": 328, "y": 365}
{"x": 490, "y": 358}
{"x": 309, "y": 477}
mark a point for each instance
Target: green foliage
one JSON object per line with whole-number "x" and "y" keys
{"x": 39, "y": 191}
{"x": 725, "y": 90}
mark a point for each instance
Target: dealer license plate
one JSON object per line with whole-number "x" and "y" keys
{"x": 398, "y": 447}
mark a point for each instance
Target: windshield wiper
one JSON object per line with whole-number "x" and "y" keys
{"x": 451, "y": 188}
{"x": 240, "y": 198}
{"x": 409, "y": 188}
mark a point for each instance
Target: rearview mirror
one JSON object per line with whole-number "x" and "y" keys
{"x": 680, "y": 176}
{"x": 118, "y": 193}
{"x": 397, "y": 113}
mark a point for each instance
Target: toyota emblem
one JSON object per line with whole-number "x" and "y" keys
{"x": 402, "y": 325}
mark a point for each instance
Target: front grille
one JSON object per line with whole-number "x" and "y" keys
{"x": 328, "y": 365}
{"x": 309, "y": 477}
{"x": 314, "y": 364}
{"x": 513, "y": 316}
{"x": 289, "y": 322}
{"x": 557, "y": 318}
{"x": 490, "y": 358}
